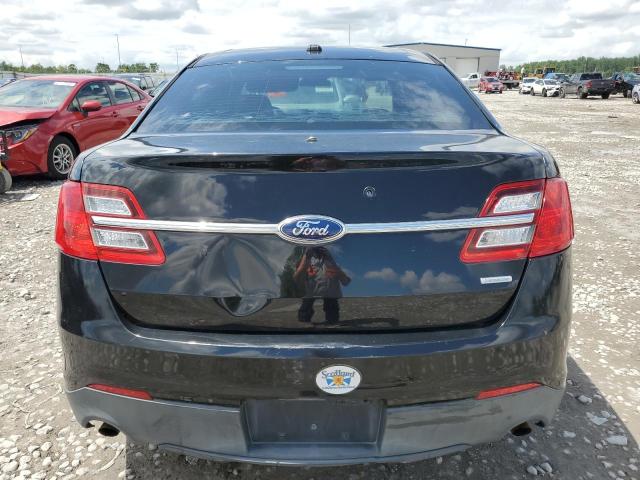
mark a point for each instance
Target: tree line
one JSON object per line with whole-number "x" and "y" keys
{"x": 72, "y": 68}
{"x": 605, "y": 65}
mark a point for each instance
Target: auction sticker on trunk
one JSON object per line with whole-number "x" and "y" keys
{"x": 338, "y": 379}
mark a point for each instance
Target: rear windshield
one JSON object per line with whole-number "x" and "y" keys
{"x": 314, "y": 94}
{"x": 35, "y": 93}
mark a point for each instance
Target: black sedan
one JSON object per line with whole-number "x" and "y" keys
{"x": 315, "y": 256}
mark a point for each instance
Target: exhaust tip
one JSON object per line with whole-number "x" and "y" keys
{"x": 521, "y": 430}
{"x": 108, "y": 430}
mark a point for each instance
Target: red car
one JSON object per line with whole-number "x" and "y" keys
{"x": 48, "y": 120}
{"x": 490, "y": 85}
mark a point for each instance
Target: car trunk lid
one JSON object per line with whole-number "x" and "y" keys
{"x": 222, "y": 281}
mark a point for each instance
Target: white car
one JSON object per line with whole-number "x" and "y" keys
{"x": 635, "y": 94}
{"x": 527, "y": 83}
{"x": 471, "y": 80}
{"x": 545, "y": 87}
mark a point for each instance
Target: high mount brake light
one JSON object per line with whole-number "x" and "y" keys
{"x": 79, "y": 237}
{"x": 551, "y": 230}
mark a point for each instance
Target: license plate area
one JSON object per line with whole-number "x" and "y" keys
{"x": 313, "y": 421}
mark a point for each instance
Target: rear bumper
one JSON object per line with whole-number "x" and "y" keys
{"x": 599, "y": 91}
{"x": 407, "y": 433}
{"x": 426, "y": 380}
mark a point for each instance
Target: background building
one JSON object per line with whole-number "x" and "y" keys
{"x": 460, "y": 58}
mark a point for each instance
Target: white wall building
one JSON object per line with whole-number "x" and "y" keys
{"x": 460, "y": 58}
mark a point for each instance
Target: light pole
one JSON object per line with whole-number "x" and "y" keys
{"x": 118, "y": 44}
{"x": 21, "y": 58}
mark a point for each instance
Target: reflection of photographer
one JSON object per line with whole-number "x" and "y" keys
{"x": 322, "y": 278}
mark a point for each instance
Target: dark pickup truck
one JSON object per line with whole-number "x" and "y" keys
{"x": 624, "y": 83}
{"x": 586, "y": 84}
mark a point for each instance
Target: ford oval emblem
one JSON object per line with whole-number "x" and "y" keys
{"x": 311, "y": 229}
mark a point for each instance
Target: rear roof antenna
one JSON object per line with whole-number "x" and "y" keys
{"x": 313, "y": 48}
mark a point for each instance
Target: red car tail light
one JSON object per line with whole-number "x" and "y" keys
{"x": 588, "y": 84}
{"x": 73, "y": 234}
{"x": 554, "y": 229}
{"x": 78, "y": 236}
{"x": 550, "y": 231}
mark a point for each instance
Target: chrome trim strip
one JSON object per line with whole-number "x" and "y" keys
{"x": 178, "y": 226}
{"x": 350, "y": 228}
{"x": 438, "y": 225}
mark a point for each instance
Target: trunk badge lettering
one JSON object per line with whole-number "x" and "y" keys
{"x": 311, "y": 229}
{"x": 491, "y": 280}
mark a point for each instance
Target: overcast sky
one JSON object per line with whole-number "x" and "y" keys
{"x": 83, "y": 31}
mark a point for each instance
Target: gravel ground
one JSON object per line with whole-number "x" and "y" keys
{"x": 594, "y": 435}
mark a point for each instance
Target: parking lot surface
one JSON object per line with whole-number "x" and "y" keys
{"x": 594, "y": 436}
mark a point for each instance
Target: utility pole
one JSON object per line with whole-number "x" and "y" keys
{"x": 21, "y": 58}
{"x": 118, "y": 43}
{"x": 349, "y": 34}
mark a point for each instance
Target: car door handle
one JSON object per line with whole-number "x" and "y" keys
{"x": 115, "y": 114}
{"x": 140, "y": 107}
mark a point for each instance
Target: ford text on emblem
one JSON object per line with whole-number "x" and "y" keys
{"x": 311, "y": 229}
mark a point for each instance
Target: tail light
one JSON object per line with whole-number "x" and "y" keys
{"x": 588, "y": 84}
{"x": 76, "y": 235}
{"x": 550, "y": 231}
